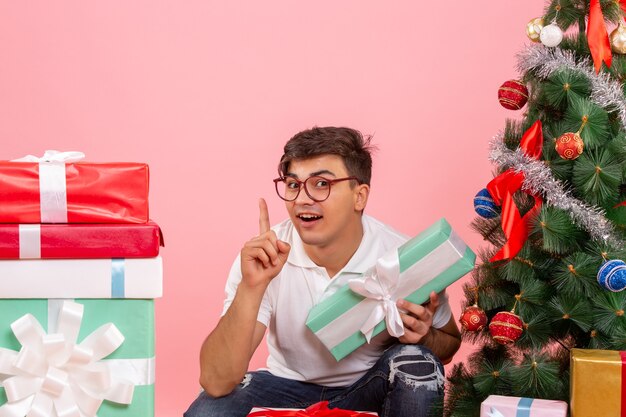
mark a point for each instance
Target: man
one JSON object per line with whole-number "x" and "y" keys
{"x": 284, "y": 271}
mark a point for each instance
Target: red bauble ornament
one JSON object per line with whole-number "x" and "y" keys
{"x": 569, "y": 145}
{"x": 506, "y": 327}
{"x": 513, "y": 94}
{"x": 473, "y": 319}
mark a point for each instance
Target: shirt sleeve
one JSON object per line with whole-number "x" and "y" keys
{"x": 443, "y": 313}
{"x": 234, "y": 278}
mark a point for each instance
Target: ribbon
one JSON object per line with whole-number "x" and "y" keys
{"x": 598, "y": 37}
{"x": 52, "y": 185}
{"x": 316, "y": 410}
{"x": 622, "y": 356}
{"x": 494, "y": 412}
{"x": 523, "y": 407}
{"x": 118, "y": 278}
{"x": 53, "y": 156}
{"x": 52, "y": 374}
{"x": 380, "y": 284}
{"x": 502, "y": 188}
{"x": 29, "y": 241}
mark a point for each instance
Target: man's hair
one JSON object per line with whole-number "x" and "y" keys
{"x": 349, "y": 144}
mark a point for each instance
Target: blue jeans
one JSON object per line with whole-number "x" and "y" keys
{"x": 404, "y": 382}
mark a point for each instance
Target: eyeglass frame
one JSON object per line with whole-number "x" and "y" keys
{"x": 302, "y": 184}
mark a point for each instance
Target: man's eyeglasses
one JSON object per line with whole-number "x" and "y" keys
{"x": 316, "y": 187}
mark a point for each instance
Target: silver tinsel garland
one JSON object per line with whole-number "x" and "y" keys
{"x": 543, "y": 61}
{"x": 539, "y": 180}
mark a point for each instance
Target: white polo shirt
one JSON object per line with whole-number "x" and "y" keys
{"x": 294, "y": 351}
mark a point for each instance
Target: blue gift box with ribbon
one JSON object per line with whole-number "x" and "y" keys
{"x": 503, "y": 406}
{"x": 431, "y": 261}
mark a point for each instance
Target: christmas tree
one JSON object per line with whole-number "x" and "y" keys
{"x": 552, "y": 276}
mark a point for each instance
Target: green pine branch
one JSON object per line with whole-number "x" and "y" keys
{"x": 575, "y": 275}
{"x": 597, "y": 176}
{"x": 582, "y": 114}
{"x": 538, "y": 376}
{"x": 557, "y": 232}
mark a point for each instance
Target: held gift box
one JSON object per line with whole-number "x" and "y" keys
{"x": 318, "y": 409}
{"x": 78, "y": 353}
{"x": 82, "y": 241}
{"x": 81, "y": 278}
{"x": 597, "y": 379}
{"x": 501, "y": 406}
{"x": 431, "y": 261}
{"x": 52, "y": 191}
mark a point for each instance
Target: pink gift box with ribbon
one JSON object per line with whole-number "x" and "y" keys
{"x": 502, "y": 406}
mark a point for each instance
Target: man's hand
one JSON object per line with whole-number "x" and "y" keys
{"x": 263, "y": 257}
{"x": 418, "y": 319}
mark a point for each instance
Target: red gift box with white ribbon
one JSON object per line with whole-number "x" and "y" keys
{"x": 80, "y": 241}
{"x": 56, "y": 188}
{"x": 316, "y": 410}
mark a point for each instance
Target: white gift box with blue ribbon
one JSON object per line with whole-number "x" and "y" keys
{"x": 81, "y": 278}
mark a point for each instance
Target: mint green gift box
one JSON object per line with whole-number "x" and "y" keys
{"x": 133, "y": 317}
{"x": 431, "y": 261}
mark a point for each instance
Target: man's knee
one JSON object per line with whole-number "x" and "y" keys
{"x": 415, "y": 367}
{"x": 199, "y": 407}
{"x": 237, "y": 403}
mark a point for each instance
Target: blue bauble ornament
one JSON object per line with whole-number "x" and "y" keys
{"x": 484, "y": 205}
{"x": 612, "y": 275}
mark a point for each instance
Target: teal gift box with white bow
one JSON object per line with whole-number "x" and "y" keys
{"x": 82, "y": 357}
{"x": 366, "y": 306}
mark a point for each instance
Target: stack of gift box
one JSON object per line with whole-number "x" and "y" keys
{"x": 79, "y": 269}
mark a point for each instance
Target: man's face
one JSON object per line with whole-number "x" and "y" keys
{"x": 322, "y": 223}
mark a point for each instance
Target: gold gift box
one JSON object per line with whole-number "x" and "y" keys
{"x": 595, "y": 383}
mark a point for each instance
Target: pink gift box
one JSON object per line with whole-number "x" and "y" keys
{"x": 501, "y": 406}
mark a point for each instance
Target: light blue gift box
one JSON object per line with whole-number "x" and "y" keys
{"x": 431, "y": 261}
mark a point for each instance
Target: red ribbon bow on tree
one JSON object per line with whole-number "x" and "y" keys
{"x": 502, "y": 188}
{"x": 316, "y": 410}
{"x": 597, "y": 35}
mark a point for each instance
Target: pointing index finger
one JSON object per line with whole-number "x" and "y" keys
{"x": 264, "y": 217}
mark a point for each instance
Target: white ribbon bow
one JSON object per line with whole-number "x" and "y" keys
{"x": 494, "y": 413}
{"x": 52, "y": 183}
{"x": 53, "y": 156}
{"x": 380, "y": 283}
{"x": 52, "y": 375}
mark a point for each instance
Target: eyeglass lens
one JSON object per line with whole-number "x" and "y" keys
{"x": 318, "y": 188}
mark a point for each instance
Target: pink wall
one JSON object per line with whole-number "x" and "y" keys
{"x": 208, "y": 92}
